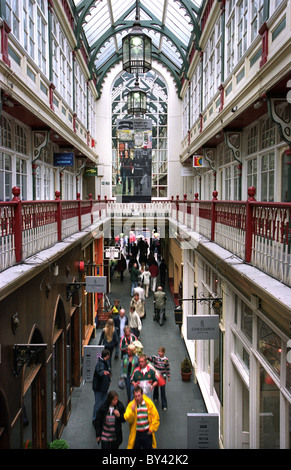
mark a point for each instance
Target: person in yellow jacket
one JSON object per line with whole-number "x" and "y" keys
{"x": 144, "y": 421}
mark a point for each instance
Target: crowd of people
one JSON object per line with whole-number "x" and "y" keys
{"x": 142, "y": 376}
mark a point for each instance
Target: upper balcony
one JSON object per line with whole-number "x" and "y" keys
{"x": 259, "y": 233}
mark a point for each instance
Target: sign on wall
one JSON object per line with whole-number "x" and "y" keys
{"x": 134, "y": 160}
{"x": 202, "y": 431}
{"x": 91, "y": 354}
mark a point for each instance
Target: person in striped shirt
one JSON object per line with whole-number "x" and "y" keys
{"x": 162, "y": 365}
{"x": 144, "y": 421}
{"x": 108, "y": 423}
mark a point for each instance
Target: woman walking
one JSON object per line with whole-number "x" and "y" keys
{"x": 109, "y": 338}
{"x": 108, "y": 423}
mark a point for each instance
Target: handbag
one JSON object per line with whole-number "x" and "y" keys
{"x": 121, "y": 383}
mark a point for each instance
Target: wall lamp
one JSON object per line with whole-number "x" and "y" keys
{"x": 14, "y": 322}
{"x": 234, "y": 109}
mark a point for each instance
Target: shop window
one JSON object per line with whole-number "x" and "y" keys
{"x": 269, "y": 412}
{"x": 5, "y": 177}
{"x": 269, "y": 344}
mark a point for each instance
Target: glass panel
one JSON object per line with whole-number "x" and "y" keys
{"x": 269, "y": 413}
{"x": 247, "y": 321}
{"x": 270, "y": 345}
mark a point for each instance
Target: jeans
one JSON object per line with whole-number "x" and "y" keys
{"x": 100, "y": 398}
{"x": 163, "y": 395}
{"x": 129, "y": 388}
{"x": 133, "y": 285}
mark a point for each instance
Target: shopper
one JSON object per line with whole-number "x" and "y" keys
{"x": 101, "y": 380}
{"x": 108, "y": 422}
{"x": 160, "y": 305}
{"x": 163, "y": 273}
{"x": 109, "y": 338}
{"x": 138, "y": 304}
{"x": 144, "y": 376}
{"x": 162, "y": 365}
{"x": 145, "y": 279}
{"x": 134, "y": 276}
{"x": 144, "y": 421}
{"x": 119, "y": 323}
{"x": 154, "y": 270}
{"x": 126, "y": 339}
{"x": 134, "y": 321}
{"x": 129, "y": 364}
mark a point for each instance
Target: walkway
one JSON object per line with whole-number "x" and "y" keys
{"x": 182, "y": 397}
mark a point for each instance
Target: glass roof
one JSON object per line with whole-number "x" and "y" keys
{"x": 171, "y": 24}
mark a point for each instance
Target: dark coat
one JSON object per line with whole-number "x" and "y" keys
{"x": 100, "y": 419}
{"x": 117, "y": 324}
{"x": 101, "y": 381}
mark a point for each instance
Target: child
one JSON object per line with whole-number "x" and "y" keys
{"x": 161, "y": 363}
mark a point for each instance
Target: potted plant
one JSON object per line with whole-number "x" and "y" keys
{"x": 186, "y": 370}
{"x": 58, "y": 444}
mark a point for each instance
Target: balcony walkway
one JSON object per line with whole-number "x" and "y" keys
{"x": 182, "y": 397}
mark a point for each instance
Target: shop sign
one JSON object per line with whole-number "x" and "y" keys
{"x": 202, "y": 327}
{"x": 96, "y": 284}
{"x": 64, "y": 159}
{"x": 91, "y": 171}
{"x": 111, "y": 253}
{"x": 202, "y": 431}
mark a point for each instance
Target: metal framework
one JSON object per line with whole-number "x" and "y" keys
{"x": 100, "y": 28}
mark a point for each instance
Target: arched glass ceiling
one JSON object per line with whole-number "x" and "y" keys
{"x": 173, "y": 26}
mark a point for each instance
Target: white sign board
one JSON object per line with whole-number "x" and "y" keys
{"x": 202, "y": 431}
{"x": 96, "y": 284}
{"x": 202, "y": 326}
{"x": 91, "y": 354}
{"x": 111, "y": 253}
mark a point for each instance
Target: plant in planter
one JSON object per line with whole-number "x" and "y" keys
{"x": 186, "y": 370}
{"x": 58, "y": 444}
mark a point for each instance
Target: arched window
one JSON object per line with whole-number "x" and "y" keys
{"x": 153, "y": 84}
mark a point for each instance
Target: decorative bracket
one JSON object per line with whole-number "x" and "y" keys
{"x": 284, "y": 127}
{"x": 233, "y": 142}
{"x": 72, "y": 287}
{"x": 38, "y": 149}
{"x": 23, "y": 353}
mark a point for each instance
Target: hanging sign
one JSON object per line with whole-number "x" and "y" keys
{"x": 199, "y": 161}
{"x": 111, "y": 253}
{"x": 64, "y": 159}
{"x": 96, "y": 284}
{"x": 202, "y": 327}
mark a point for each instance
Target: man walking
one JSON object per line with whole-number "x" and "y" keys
{"x": 144, "y": 376}
{"x": 119, "y": 323}
{"x": 159, "y": 305}
{"x": 144, "y": 421}
{"x": 134, "y": 275}
{"x": 101, "y": 380}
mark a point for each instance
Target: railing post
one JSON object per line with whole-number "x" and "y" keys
{"x": 91, "y": 204}
{"x": 79, "y": 211}
{"x": 59, "y": 214}
{"x": 249, "y": 224}
{"x": 17, "y": 224}
{"x": 213, "y": 215}
{"x": 184, "y": 208}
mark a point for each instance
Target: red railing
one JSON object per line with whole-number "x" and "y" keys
{"x": 259, "y": 233}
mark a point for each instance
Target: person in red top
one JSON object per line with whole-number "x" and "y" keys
{"x": 154, "y": 270}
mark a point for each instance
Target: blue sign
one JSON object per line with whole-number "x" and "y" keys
{"x": 63, "y": 159}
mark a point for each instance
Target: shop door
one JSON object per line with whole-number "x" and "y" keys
{"x": 242, "y": 413}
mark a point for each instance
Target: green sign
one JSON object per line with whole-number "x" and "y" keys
{"x": 91, "y": 171}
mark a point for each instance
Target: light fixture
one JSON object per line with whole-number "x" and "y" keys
{"x": 234, "y": 109}
{"x": 137, "y": 49}
{"x": 136, "y": 100}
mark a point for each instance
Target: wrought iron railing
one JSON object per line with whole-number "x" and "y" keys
{"x": 259, "y": 233}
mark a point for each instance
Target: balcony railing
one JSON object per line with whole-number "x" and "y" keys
{"x": 258, "y": 233}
